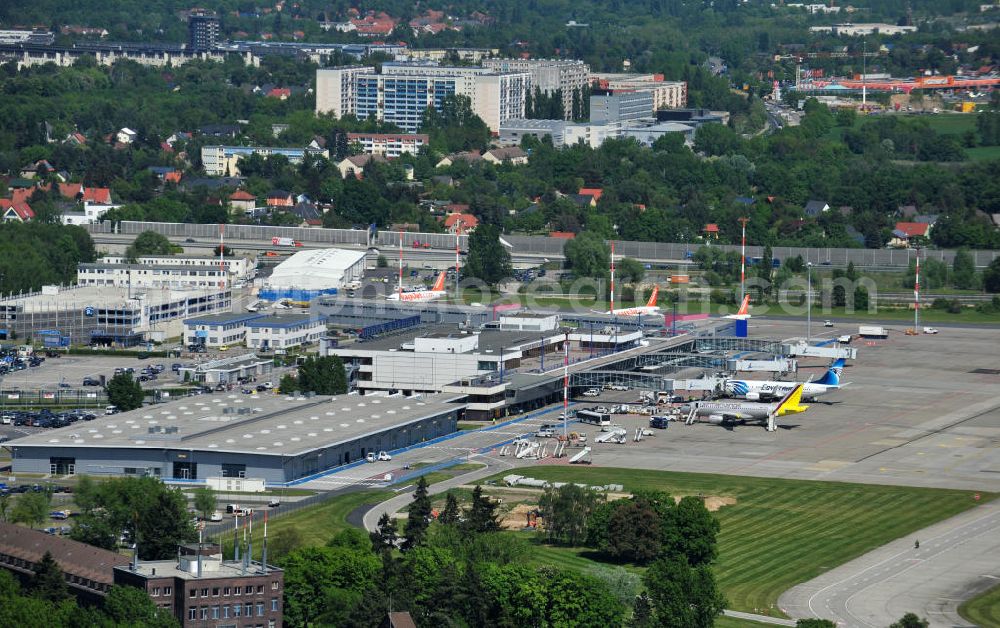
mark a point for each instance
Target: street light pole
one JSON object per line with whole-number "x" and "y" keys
{"x": 809, "y": 309}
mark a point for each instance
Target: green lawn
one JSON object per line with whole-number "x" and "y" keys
{"x": 984, "y": 609}
{"x": 780, "y": 532}
{"x": 983, "y": 153}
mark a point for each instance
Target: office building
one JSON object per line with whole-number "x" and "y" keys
{"x": 620, "y": 107}
{"x": 224, "y": 160}
{"x": 203, "y": 30}
{"x": 280, "y": 333}
{"x": 666, "y": 94}
{"x": 199, "y": 588}
{"x": 567, "y": 76}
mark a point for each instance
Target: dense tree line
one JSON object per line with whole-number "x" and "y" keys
{"x": 36, "y": 253}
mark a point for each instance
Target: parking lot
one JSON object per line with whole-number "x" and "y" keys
{"x": 72, "y": 369}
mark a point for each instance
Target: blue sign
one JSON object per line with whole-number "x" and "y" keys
{"x": 201, "y": 334}
{"x": 88, "y": 311}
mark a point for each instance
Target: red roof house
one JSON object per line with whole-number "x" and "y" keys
{"x": 461, "y": 223}
{"x": 595, "y": 192}
{"x": 11, "y": 211}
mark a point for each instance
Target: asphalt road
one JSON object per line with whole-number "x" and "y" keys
{"x": 957, "y": 559}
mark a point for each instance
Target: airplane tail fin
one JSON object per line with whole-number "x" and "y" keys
{"x": 439, "y": 283}
{"x": 792, "y": 403}
{"x": 744, "y": 307}
{"x": 653, "y": 296}
{"x": 832, "y": 376}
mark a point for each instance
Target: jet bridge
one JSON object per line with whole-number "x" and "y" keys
{"x": 829, "y": 349}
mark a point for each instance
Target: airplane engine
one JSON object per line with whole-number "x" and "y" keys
{"x": 718, "y": 419}
{"x": 752, "y": 396}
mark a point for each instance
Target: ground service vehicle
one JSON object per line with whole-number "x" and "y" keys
{"x": 592, "y": 417}
{"x": 659, "y": 422}
{"x": 276, "y": 241}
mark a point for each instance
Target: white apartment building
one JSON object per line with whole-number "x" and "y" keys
{"x": 224, "y": 160}
{"x": 402, "y": 92}
{"x": 549, "y": 76}
{"x": 138, "y": 276}
{"x": 861, "y": 30}
{"x": 389, "y": 144}
{"x": 284, "y": 332}
{"x": 335, "y": 89}
{"x": 218, "y": 330}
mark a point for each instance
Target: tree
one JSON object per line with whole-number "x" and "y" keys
{"x": 32, "y": 508}
{"x": 288, "y": 383}
{"x": 634, "y": 531}
{"x": 861, "y": 299}
{"x": 131, "y": 606}
{"x": 449, "y": 516}
{"x": 683, "y": 595}
{"x": 226, "y": 251}
{"x": 4, "y": 505}
{"x": 588, "y": 255}
{"x": 48, "y": 582}
{"x": 910, "y": 620}
{"x": 630, "y": 270}
{"x": 143, "y": 510}
{"x": 204, "y": 501}
{"x": 323, "y": 584}
{"x": 418, "y": 518}
{"x": 642, "y": 611}
{"x": 963, "y": 270}
{"x": 690, "y": 531}
{"x": 991, "y": 276}
{"x": 322, "y": 375}
{"x": 481, "y": 516}
{"x": 566, "y": 510}
{"x": 381, "y": 262}
{"x": 488, "y": 259}
{"x": 385, "y": 536}
{"x": 124, "y": 392}
{"x": 148, "y": 243}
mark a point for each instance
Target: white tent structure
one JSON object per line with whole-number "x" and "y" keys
{"x": 320, "y": 270}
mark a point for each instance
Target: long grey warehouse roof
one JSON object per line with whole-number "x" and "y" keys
{"x": 250, "y": 424}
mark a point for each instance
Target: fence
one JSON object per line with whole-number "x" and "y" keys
{"x": 537, "y": 245}
{"x": 63, "y": 397}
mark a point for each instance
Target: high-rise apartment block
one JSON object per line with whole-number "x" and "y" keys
{"x": 568, "y": 76}
{"x": 402, "y": 92}
{"x": 203, "y": 30}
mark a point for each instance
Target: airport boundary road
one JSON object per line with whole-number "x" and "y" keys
{"x": 957, "y": 559}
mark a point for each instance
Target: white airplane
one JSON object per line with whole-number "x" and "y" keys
{"x": 437, "y": 291}
{"x": 744, "y": 312}
{"x": 649, "y": 308}
{"x": 730, "y": 413}
{"x": 757, "y": 390}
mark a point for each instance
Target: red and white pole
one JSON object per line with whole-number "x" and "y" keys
{"x": 612, "y": 277}
{"x": 400, "y": 286}
{"x": 916, "y": 296}
{"x": 743, "y": 259}
{"x": 565, "y": 384}
{"x": 222, "y": 256}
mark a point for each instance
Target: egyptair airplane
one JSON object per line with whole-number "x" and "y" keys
{"x": 759, "y": 390}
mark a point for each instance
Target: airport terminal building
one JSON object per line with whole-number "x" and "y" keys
{"x": 272, "y": 437}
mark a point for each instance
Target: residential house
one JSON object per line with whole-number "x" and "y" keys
{"x": 815, "y": 208}
{"x": 597, "y": 193}
{"x": 220, "y": 130}
{"x": 125, "y": 135}
{"x": 77, "y": 139}
{"x": 280, "y": 198}
{"x": 311, "y": 215}
{"x": 907, "y": 211}
{"x": 242, "y": 200}
{"x": 562, "y": 235}
{"x": 355, "y": 164}
{"x": 582, "y": 200}
{"x": 512, "y": 154}
{"x": 460, "y": 223}
{"x": 468, "y": 157}
{"x": 905, "y": 233}
{"x": 40, "y": 168}
{"x": 711, "y": 230}
{"x": 930, "y": 219}
{"x": 11, "y": 211}
{"x": 389, "y": 144}
{"x": 281, "y": 93}
{"x": 443, "y": 179}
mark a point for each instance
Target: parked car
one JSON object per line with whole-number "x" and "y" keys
{"x": 930, "y": 330}
{"x": 593, "y": 392}
{"x": 545, "y": 432}
{"x": 384, "y": 456}
{"x": 90, "y": 381}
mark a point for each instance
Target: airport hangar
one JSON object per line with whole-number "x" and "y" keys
{"x": 275, "y": 438}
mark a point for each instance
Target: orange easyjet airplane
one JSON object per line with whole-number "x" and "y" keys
{"x": 437, "y": 291}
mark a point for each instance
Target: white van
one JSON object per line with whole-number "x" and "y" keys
{"x": 110, "y": 409}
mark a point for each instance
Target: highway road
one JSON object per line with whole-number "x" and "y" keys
{"x": 957, "y": 559}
